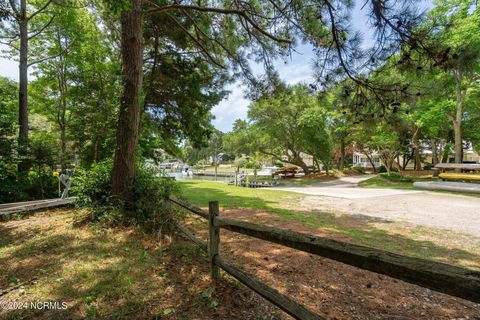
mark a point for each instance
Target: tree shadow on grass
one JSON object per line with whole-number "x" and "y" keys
{"x": 357, "y": 229}
{"x": 335, "y": 290}
{"x": 110, "y": 274}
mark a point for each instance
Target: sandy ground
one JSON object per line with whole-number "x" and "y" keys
{"x": 438, "y": 210}
{"x": 331, "y": 289}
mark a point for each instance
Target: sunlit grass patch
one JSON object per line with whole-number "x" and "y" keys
{"x": 103, "y": 273}
{"x": 377, "y": 233}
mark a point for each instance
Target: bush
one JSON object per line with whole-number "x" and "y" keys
{"x": 359, "y": 169}
{"x": 240, "y": 162}
{"x": 11, "y": 189}
{"x": 278, "y": 164}
{"x": 42, "y": 184}
{"x": 396, "y": 177}
{"x": 150, "y": 208}
{"x": 38, "y": 184}
{"x": 382, "y": 169}
{"x": 427, "y": 166}
{"x": 93, "y": 186}
{"x": 252, "y": 164}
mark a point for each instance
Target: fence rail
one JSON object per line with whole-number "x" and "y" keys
{"x": 441, "y": 277}
{"x": 7, "y": 209}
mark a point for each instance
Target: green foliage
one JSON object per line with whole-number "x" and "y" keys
{"x": 193, "y": 154}
{"x": 284, "y": 125}
{"x": 382, "y": 169}
{"x": 393, "y": 176}
{"x": 359, "y": 169}
{"x": 39, "y": 183}
{"x": 253, "y": 164}
{"x": 279, "y": 164}
{"x": 92, "y": 187}
{"x": 78, "y": 92}
{"x": 241, "y": 162}
{"x": 241, "y": 140}
{"x": 315, "y": 136}
{"x": 11, "y": 190}
{"x": 8, "y": 118}
{"x": 150, "y": 209}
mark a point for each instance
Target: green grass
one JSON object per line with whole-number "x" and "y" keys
{"x": 304, "y": 182}
{"x": 199, "y": 192}
{"x": 381, "y": 182}
{"x": 103, "y": 273}
{"x": 368, "y": 231}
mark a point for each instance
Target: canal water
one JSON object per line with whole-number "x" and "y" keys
{"x": 183, "y": 176}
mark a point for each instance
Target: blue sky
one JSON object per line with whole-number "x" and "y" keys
{"x": 297, "y": 69}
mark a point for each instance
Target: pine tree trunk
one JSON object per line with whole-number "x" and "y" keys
{"x": 123, "y": 175}
{"x": 23, "y": 165}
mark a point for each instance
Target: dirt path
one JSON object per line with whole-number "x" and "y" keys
{"x": 332, "y": 289}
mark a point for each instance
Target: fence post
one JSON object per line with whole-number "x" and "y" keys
{"x": 214, "y": 239}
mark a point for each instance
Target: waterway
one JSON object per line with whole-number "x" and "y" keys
{"x": 183, "y": 176}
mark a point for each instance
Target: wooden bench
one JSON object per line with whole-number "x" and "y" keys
{"x": 468, "y": 171}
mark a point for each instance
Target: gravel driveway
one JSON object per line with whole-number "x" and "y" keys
{"x": 438, "y": 210}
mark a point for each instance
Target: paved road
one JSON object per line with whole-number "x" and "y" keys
{"x": 439, "y": 210}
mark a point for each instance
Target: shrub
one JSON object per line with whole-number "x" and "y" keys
{"x": 396, "y": 177}
{"x": 382, "y": 169}
{"x": 253, "y": 164}
{"x": 38, "y": 184}
{"x": 240, "y": 162}
{"x": 11, "y": 189}
{"x": 42, "y": 184}
{"x": 150, "y": 208}
{"x": 278, "y": 163}
{"x": 359, "y": 169}
{"x": 427, "y": 166}
{"x": 93, "y": 186}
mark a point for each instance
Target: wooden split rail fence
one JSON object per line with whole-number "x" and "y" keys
{"x": 7, "y": 209}
{"x": 452, "y": 280}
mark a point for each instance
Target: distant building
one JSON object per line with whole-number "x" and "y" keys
{"x": 361, "y": 160}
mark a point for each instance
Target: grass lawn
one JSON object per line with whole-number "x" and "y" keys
{"x": 307, "y": 181}
{"x": 199, "y": 192}
{"x": 395, "y": 237}
{"x": 381, "y": 182}
{"x": 108, "y": 273}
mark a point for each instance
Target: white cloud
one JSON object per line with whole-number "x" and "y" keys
{"x": 235, "y": 106}
{"x": 8, "y": 68}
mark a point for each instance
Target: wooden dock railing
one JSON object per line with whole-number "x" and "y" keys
{"x": 441, "y": 277}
